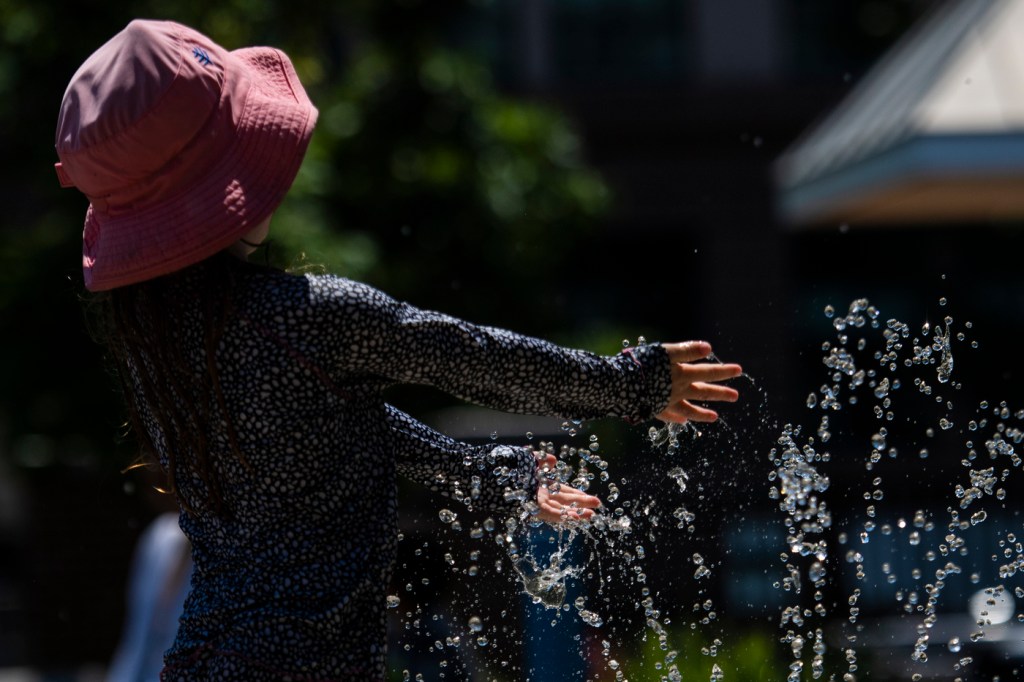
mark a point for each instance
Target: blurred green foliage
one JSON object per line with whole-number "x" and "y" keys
{"x": 422, "y": 178}
{"x": 742, "y": 655}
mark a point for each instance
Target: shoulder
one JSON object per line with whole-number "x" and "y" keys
{"x": 327, "y": 287}
{"x": 269, "y": 286}
{"x": 278, "y": 292}
{"x": 285, "y": 290}
{"x": 340, "y": 294}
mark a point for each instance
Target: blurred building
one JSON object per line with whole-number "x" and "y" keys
{"x": 933, "y": 134}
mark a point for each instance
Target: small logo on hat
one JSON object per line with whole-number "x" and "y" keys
{"x": 201, "y": 56}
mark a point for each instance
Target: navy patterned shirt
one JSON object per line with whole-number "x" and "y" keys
{"x": 291, "y": 584}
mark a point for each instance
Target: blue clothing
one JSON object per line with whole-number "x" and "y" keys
{"x": 291, "y": 582}
{"x": 158, "y": 584}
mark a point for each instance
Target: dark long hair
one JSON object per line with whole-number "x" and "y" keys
{"x": 144, "y": 328}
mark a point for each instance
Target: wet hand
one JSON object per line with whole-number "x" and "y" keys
{"x": 696, "y": 381}
{"x": 559, "y": 502}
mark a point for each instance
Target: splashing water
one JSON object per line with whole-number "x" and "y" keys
{"x": 800, "y": 487}
{"x": 546, "y": 585}
{"x": 878, "y": 371}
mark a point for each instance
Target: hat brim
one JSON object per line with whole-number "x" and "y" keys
{"x": 240, "y": 189}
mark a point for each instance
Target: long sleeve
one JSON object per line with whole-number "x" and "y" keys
{"x": 486, "y": 474}
{"x": 485, "y": 365}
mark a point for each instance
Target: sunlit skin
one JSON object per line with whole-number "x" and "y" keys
{"x": 251, "y": 239}
{"x": 696, "y": 381}
{"x": 692, "y": 381}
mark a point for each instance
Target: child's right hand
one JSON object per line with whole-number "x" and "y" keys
{"x": 558, "y": 502}
{"x": 696, "y": 381}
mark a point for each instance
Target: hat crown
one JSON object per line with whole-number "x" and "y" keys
{"x": 180, "y": 146}
{"x": 136, "y": 103}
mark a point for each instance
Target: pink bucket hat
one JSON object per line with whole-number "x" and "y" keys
{"x": 180, "y": 146}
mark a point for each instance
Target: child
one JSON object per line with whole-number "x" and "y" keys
{"x": 259, "y": 392}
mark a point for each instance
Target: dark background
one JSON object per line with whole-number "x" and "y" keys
{"x": 583, "y": 171}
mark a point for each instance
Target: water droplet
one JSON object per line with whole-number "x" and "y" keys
{"x": 679, "y": 476}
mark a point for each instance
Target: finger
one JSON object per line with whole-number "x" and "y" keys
{"x": 555, "y": 513}
{"x": 575, "y": 514}
{"x": 569, "y": 491}
{"x": 710, "y": 371}
{"x": 688, "y": 351}
{"x": 548, "y": 462}
{"x": 697, "y": 413}
{"x": 569, "y": 497}
{"x": 673, "y": 413}
{"x": 557, "y": 506}
{"x": 562, "y": 516}
{"x": 573, "y": 505}
{"x": 702, "y": 391}
{"x": 683, "y": 411}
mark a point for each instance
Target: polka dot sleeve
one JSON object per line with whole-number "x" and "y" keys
{"x": 486, "y": 365}
{"x": 487, "y": 475}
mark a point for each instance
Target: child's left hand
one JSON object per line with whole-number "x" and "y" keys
{"x": 567, "y": 504}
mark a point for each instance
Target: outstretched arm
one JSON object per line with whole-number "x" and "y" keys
{"x": 491, "y": 476}
{"x": 370, "y": 333}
